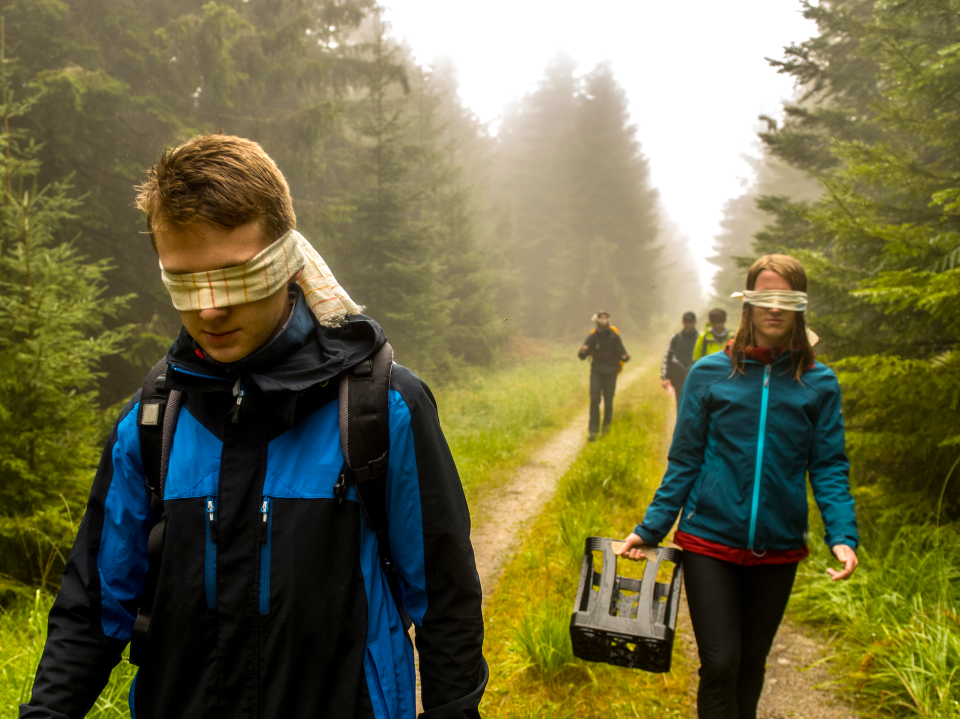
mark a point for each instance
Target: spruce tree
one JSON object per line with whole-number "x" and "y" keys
{"x": 52, "y": 338}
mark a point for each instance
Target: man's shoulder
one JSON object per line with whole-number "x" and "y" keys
{"x": 410, "y": 389}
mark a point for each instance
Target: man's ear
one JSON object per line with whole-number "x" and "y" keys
{"x": 296, "y": 277}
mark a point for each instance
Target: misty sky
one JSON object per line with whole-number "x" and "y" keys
{"x": 694, "y": 72}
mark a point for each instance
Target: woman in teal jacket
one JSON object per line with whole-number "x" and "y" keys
{"x": 754, "y": 422}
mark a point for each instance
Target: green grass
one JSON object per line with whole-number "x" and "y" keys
{"x": 897, "y": 620}
{"x": 492, "y": 419}
{"x": 23, "y": 631}
{"x": 533, "y": 670}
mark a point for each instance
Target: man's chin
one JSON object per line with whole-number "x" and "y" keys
{"x": 225, "y": 355}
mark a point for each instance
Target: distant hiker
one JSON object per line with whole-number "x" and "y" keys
{"x": 714, "y": 337}
{"x": 678, "y": 358}
{"x": 754, "y": 422}
{"x": 264, "y": 590}
{"x": 607, "y": 355}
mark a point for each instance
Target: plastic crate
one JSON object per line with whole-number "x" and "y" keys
{"x": 622, "y": 621}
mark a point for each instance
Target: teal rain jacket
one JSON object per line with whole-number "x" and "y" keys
{"x": 741, "y": 452}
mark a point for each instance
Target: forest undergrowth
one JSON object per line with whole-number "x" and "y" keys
{"x": 491, "y": 417}
{"x": 896, "y": 623}
{"x": 533, "y": 670}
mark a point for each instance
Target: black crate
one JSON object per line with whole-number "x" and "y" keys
{"x": 623, "y": 621}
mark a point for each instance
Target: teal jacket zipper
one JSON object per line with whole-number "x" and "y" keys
{"x": 759, "y": 470}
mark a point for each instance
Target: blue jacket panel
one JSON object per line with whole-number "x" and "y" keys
{"x": 742, "y": 449}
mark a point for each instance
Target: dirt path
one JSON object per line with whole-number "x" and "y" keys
{"x": 506, "y": 514}
{"x": 798, "y": 671}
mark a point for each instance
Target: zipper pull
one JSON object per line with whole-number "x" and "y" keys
{"x": 766, "y": 377}
{"x": 239, "y": 393}
{"x": 212, "y": 518}
{"x": 265, "y": 513}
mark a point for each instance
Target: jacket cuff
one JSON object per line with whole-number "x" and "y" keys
{"x": 645, "y": 535}
{"x": 849, "y": 541}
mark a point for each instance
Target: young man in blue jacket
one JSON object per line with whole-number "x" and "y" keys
{"x": 270, "y": 596}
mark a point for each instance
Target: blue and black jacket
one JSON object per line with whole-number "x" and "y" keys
{"x": 294, "y": 621}
{"x": 742, "y": 449}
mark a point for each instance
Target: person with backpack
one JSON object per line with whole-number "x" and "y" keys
{"x": 277, "y": 502}
{"x": 678, "y": 359}
{"x": 607, "y": 355}
{"x": 755, "y": 421}
{"x": 715, "y": 337}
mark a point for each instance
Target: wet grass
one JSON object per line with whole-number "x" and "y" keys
{"x": 533, "y": 670}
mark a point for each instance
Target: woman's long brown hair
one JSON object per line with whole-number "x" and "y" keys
{"x": 792, "y": 271}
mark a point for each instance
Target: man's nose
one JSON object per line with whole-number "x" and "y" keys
{"x": 214, "y": 313}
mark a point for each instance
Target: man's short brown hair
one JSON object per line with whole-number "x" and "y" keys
{"x": 221, "y": 179}
{"x": 717, "y": 315}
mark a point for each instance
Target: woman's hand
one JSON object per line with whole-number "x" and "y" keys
{"x": 634, "y": 548}
{"x": 849, "y": 558}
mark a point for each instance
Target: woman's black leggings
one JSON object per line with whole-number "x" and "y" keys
{"x": 736, "y": 611}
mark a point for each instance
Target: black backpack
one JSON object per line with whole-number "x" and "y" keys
{"x": 364, "y": 437}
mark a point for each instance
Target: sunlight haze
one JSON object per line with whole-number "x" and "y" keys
{"x": 694, "y": 72}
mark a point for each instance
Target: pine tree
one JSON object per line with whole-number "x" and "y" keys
{"x": 388, "y": 251}
{"x": 612, "y": 258}
{"x": 52, "y": 338}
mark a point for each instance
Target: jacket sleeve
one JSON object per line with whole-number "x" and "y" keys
{"x": 622, "y": 350}
{"x": 92, "y": 617}
{"x": 829, "y": 471}
{"x": 685, "y": 460}
{"x": 429, "y": 525}
{"x": 667, "y": 356}
{"x": 589, "y": 343}
{"x": 699, "y": 347}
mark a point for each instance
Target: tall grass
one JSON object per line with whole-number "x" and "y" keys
{"x": 492, "y": 417}
{"x": 533, "y": 670}
{"x": 896, "y": 619}
{"x": 23, "y": 631}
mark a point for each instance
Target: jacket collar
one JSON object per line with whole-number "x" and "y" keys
{"x": 304, "y": 353}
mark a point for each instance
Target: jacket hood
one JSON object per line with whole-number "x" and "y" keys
{"x": 303, "y": 354}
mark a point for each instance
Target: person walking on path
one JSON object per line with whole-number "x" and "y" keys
{"x": 754, "y": 422}
{"x": 264, "y": 594}
{"x": 715, "y": 337}
{"x": 678, "y": 359}
{"x": 607, "y": 355}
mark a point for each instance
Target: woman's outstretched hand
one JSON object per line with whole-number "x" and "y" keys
{"x": 849, "y": 558}
{"x": 634, "y": 548}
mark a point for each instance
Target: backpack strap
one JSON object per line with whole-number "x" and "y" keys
{"x": 365, "y": 439}
{"x": 156, "y": 424}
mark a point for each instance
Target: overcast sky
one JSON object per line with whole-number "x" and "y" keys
{"x": 694, "y": 72}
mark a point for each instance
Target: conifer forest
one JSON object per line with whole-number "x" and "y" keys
{"x": 482, "y": 249}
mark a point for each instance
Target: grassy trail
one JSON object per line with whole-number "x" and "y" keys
{"x": 533, "y": 671}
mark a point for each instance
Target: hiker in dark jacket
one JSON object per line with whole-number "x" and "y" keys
{"x": 607, "y": 355}
{"x": 678, "y": 359}
{"x": 270, "y": 599}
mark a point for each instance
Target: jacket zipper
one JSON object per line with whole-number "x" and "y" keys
{"x": 759, "y": 470}
{"x": 239, "y": 392}
{"x": 265, "y": 556}
{"x": 210, "y": 559}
